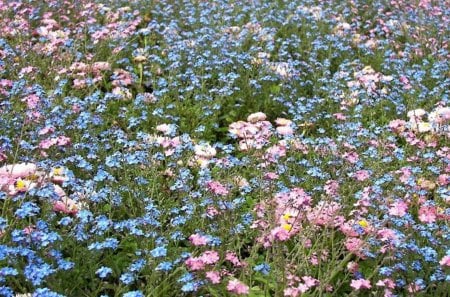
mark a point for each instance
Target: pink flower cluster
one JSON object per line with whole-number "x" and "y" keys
{"x": 217, "y": 188}
{"x": 86, "y": 74}
{"x": 203, "y": 265}
{"x": 299, "y": 285}
{"x": 22, "y": 177}
{"x": 254, "y": 133}
{"x": 289, "y": 210}
{"x": 420, "y": 121}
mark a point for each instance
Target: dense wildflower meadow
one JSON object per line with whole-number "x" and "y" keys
{"x": 224, "y": 148}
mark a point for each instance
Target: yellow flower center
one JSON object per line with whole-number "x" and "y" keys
{"x": 58, "y": 171}
{"x": 287, "y": 227}
{"x": 363, "y": 223}
{"x": 287, "y": 216}
{"x": 21, "y": 185}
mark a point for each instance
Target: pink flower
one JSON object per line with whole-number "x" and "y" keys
{"x": 352, "y": 266}
{"x": 101, "y": 66}
{"x": 362, "y": 175}
{"x": 47, "y": 143}
{"x": 427, "y": 214}
{"x": 361, "y": 283}
{"x": 331, "y": 187}
{"x": 351, "y": 157}
{"x": 31, "y": 100}
{"x": 213, "y": 276}
{"x": 232, "y": 257}
{"x": 195, "y": 263}
{"x": 65, "y": 205}
{"x": 283, "y": 122}
{"x": 164, "y": 128}
{"x": 58, "y": 175}
{"x": 443, "y": 179}
{"x": 340, "y": 116}
{"x": 397, "y": 126}
{"x": 217, "y": 188}
{"x": 282, "y": 234}
{"x": 355, "y": 246}
{"x": 198, "y": 240}
{"x": 387, "y": 234}
{"x": 19, "y": 170}
{"x": 210, "y": 257}
{"x": 59, "y": 191}
{"x": 235, "y": 286}
{"x": 387, "y": 282}
{"x": 46, "y": 130}
{"x": 256, "y": 117}
{"x": 62, "y": 140}
{"x": 270, "y": 176}
{"x": 285, "y": 130}
{"x": 445, "y": 261}
{"x": 398, "y": 208}
{"x": 291, "y": 292}
{"x": 310, "y": 281}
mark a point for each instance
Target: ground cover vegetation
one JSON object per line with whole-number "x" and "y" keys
{"x": 224, "y": 148}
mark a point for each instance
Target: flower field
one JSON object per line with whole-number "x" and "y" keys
{"x": 224, "y": 148}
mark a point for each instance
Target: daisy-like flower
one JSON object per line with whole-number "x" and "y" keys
{"x": 256, "y": 117}
{"x": 19, "y": 170}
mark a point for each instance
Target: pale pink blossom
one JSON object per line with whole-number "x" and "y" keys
{"x": 217, "y": 188}
{"x": 355, "y": 246}
{"x": 427, "y": 214}
{"x": 291, "y": 292}
{"x": 351, "y": 157}
{"x": 19, "y": 170}
{"x": 164, "y": 128}
{"x": 281, "y": 234}
{"x": 232, "y": 257}
{"x": 210, "y": 257}
{"x": 398, "y": 208}
{"x": 256, "y": 117}
{"x": 65, "y": 205}
{"x": 285, "y": 130}
{"x": 204, "y": 151}
{"x": 445, "y": 261}
{"x": 213, "y": 276}
{"x": 195, "y": 263}
{"x": 283, "y": 122}
{"x": 362, "y": 175}
{"x": 361, "y": 283}
{"x": 237, "y": 287}
{"x": 198, "y": 240}
{"x": 387, "y": 282}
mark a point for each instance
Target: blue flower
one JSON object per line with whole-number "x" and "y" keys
{"x": 164, "y": 266}
{"x": 103, "y": 271}
{"x": 159, "y": 252}
{"x": 133, "y": 294}
{"x": 189, "y": 287}
{"x": 111, "y": 243}
{"x": 6, "y": 291}
{"x": 44, "y": 292}
{"x": 127, "y": 278}
{"x": 36, "y": 272}
{"x": 263, "y": 268}
{"x": 137, "y": 265}
{"x": 27, "y": 209}
{"x": 5, "y": 271}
